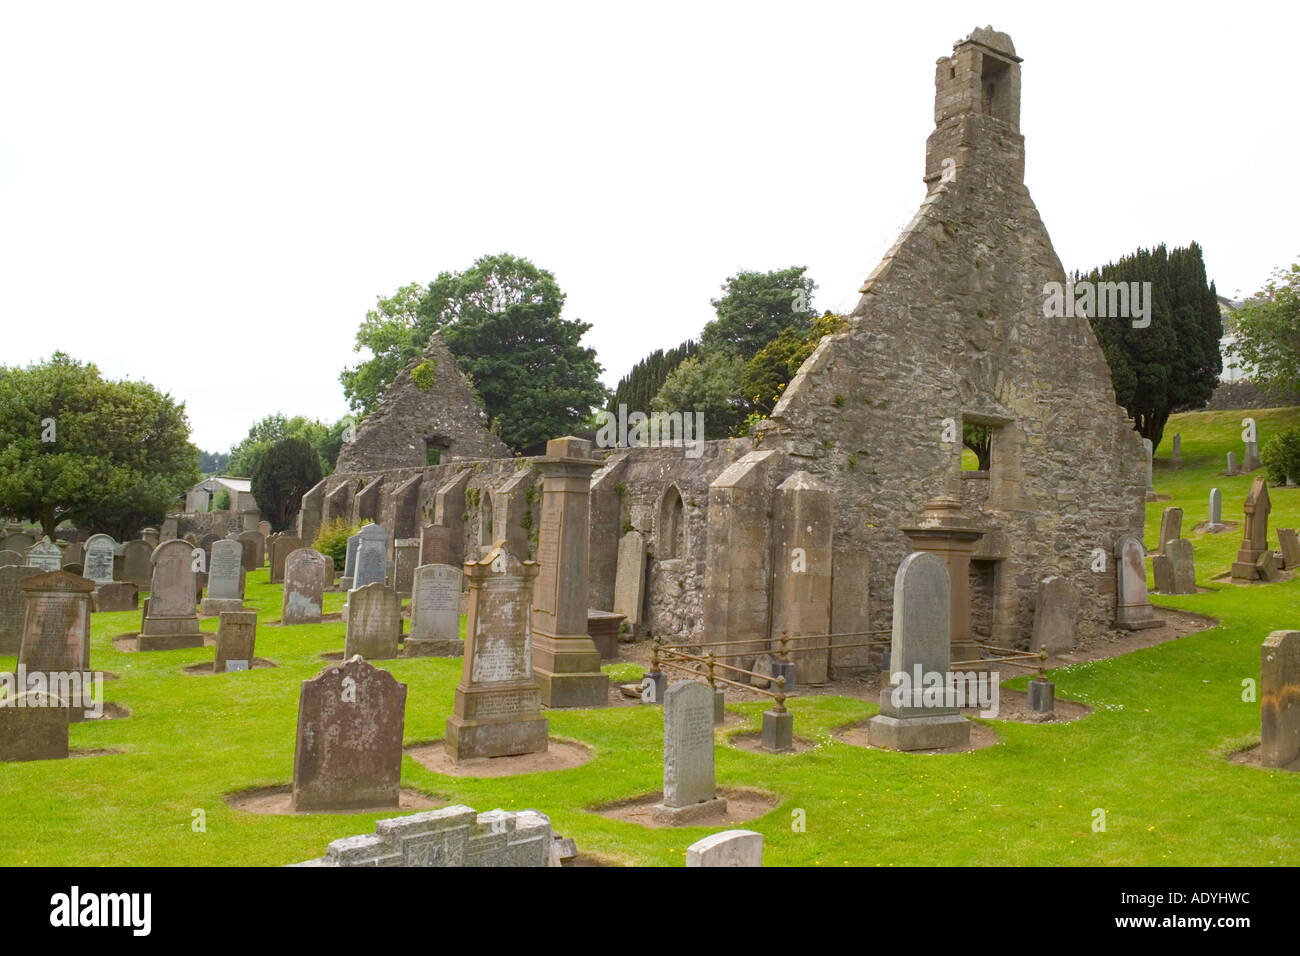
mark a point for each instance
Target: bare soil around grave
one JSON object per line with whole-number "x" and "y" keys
{"x": 754, "y": 743}
{"x": 206, "y": 667}
{"x": 1115, "y": 643}
{"x": 112, "y": 711}
{"x": 742, "y": 806}
{"x": 1013, "y": 705}
{"x": 1250, "y": 758}
{"x": 96, "y": 752}
{"x": 559, "y": 755}
{"x": 857, "y": 735}
{"x": 279, "y": 801}
{"x": 1227, "y": 527}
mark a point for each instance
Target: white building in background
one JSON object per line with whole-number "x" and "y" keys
{"x": 201, "y": 497}
{"x": 1233, "y": 368}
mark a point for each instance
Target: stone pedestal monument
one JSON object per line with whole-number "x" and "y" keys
{"x": 945, "y": 532}
{"x": 1254, "y": 538}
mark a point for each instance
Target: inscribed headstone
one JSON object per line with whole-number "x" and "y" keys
{"x": 98, "y": 565}
{"x": 236, "y": 638}
{"x": 304, "y": 586}
{"x": 374, "y": 622}
{"x": 435, "y": 613}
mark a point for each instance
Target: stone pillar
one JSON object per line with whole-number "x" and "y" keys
{"x": 1254, "y": 536}
{"x": 565, "y": 660}
{"x": 801, "y": 573}
{"x": 944, "y": 531}
{"x": 1279, "y": 699}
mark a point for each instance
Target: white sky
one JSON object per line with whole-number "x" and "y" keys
{"x": 210, "y": 197}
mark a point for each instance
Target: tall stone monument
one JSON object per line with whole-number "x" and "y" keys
{"x": 920, "y": 645}
{"x": 944, "y": 531}
{"x": 1254, "y": 538}
{"x": 1215, "y": 525}
{"x": 565, "y": 659}
{"x": 1132, "y": 604}
{"x": 1279, "y": 699}
{"x": 225, "y": 579}
{"x": 498, "y": 704}
{"x": 690, "y": 788}
{"x": 372, "y": 556}
{"x": 801, "y": 573}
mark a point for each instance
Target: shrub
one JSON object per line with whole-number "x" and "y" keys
{"x": 1281, "y": 456}
{"x": 332, "y": 541}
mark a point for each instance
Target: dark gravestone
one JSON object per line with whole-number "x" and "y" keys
{"x": 12, "y": 605}
{"x": 236, "y": 638}
{"x": 117, "y": 597}
{"x": 56, "y": 625}
{"x": 348, "y": 753}
{"x": 33, "y": 726}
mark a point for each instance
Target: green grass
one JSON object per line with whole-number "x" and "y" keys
{"x": 1150, "y": 756}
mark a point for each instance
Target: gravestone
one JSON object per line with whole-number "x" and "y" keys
{"x": 206, "y": 542}
{"x": 1290, "y": 545}
{"x": 565, "y": 660}
{"x": 1215, "y": 525}
{"x": 45, "y": 555}
{"x": 435, "y": 545}
{"x": 497, "y": 709}
{"x": 1254, "y": 538}
{"x": 374, "y": 622}
{"x": 305, "y": 573}
{"x": 1232, "y": 463}
{"x": 372, "y": 557}
{"x": 18, "y": 541}
{"x": 728, "y": 848}
{"x": 690, "y": 790}
{"x": 1132, "y": 606}
{"x": 98, "y": 565}
{"x": 919, "y": 646}
{"x": 74, "y": 552}
{"x": 1162, "y": 573}
{"x": 1056, "y": 614}
{"x": 236, "y": 638}
{"x": 56, "y": 622}
{"x": 435, "y": 613}
{"x": 170, "y": 621}
{"x": 137, "y": 566}
{"x": 1171, "y": 527}
{"x": 225, "y": 578}
{"x": 280, "y": 549}
{"x": 264, "y": 529}
{"x": 171, "y": 528}
{"x": 13, "y": 605}
{"x": 629, "y": 580}
{"x": 406, "y": 553}
{"x": 117, "y": 597}
{"x": 1251, "y": 460}
{"x": 350, "y": 561}
{"x": 33, "y": 726}
{"x": 348, "y": 753}
{"x": 150, "y": 537}
{"x": 1183, "y": 565}
{"x": 251, "y": 542}
{"x": 1279, "y": 699}
{"x": 11, "y": 559}
{"x": 1268, "y": 567}
{"x": 1150, "y": 452}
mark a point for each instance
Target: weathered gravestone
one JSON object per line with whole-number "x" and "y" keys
{"x": 56, "y": 623}
{"x": 13, "y": 606}
{"x": 348, "y": 753}
{"x": 1215, "y": 525}
{"x": 46, "y": 555}
{"x": 1232, "y": 463}
{"x": 498, "y": 708}
{"x": 117, "y": 597}
{"x": 18, "y": 541}
{"x": 372, "y": 557}
{"x": 435, "y": 613}
{"x": 629, "y": 580}
{"x": 1268, "y": 567}
{"x": 920, "y": 646}
{"x": 1056, "y": 614}
{"x": 374, "y": 622}
{"x": 1150, "y": 452}
{"x": 137, "y": 563}
{"x": 252, "y": 544}
{"x": 350, "y": 561}
{"x": 150, "y": 537}
{"x": 1183, "y": 565}
{"x": 305, "y": 573}
{"x": 1162, "y": 573}
{"x": 728, "y": 848}
{"x": 33, "y": 726}
{"x": 236, "y": 638}
{"x": 1254, "y": 538}
{"x": 281, "y": 548}
{"x": 1176, "y": 458}
{"x": 98, "y": 565}
{"x": 1171, "y": 527}
{"x": 1251, "y": 460}
{"x": 1279, "y": 699}
{"x": 74, "y": 552}
{"x": 1289, "y": 542}
{"x": 170, "y": 620}
{"x": 435, "y": 545}
{"x": 225, "y": 578}
{"x": 1132, "y": 605}
{"x": 690, "y": 789}
{"x": 11, "y": 559}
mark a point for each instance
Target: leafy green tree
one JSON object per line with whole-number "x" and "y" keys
{"x": 213, "y": 463}
{"x": 501, "y": 319}
{"x": 757, "y": 307}
{"x": 769, "y": 372}
{"x": 1267, "y": 331}
{"x": 709, "y": 384}
{"x": 1281, "y": 456}
{"x": 110, "y": 456}
{"x": 288, "y": 470}
{"x": 638, "y": 387}
{"x": 1172, "y": 364}
{"x": 326, "y": 440}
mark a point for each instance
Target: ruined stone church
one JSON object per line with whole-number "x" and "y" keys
{"x": 801, "y": 527}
